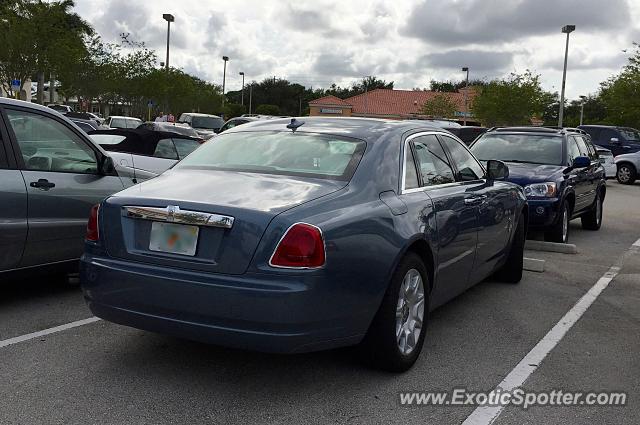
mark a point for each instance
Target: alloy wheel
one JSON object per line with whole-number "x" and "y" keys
{"x": 410, "y": 311}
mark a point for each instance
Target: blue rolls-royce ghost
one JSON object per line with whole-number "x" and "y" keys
{"x": 306, "y": 234}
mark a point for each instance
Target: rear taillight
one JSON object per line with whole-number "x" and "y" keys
{"x": 301, "y": 246}
{"x": 92, "y": 225}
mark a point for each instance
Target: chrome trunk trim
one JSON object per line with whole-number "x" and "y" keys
{"x": 173, "y": 214}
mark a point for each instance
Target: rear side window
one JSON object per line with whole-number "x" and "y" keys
{"x": 185, "y": 146}
{"x": 573, "y": 151}
{"x": 468, "y": 167}
{"x": 410, "y": 174}
{"x": 582, "y": 145}
{"x": 433, "y": 165}
{"x": 280, "y": 152}
{"x": 165, "y": 149}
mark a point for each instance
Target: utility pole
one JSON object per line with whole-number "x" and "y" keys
{"x": 250, "y": 95}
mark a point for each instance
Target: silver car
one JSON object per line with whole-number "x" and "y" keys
{"x": 51, "y": 174}
{"x": 144, "y": 154}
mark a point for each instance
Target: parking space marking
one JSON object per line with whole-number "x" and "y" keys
{"x": 27, "y": 337}
{"x": 486, "y": 415}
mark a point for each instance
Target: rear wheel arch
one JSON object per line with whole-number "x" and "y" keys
{"x": 628, "y": 163}
{"x": 423, "y": 250}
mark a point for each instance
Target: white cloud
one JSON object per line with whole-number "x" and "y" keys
{"x": 317, "y": 43}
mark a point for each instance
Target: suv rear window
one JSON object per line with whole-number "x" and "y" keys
{"x": 527, "y": 148}
{"x": 286, "y": 153}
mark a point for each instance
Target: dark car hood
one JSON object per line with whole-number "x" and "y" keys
{"x": 524, "y": 174}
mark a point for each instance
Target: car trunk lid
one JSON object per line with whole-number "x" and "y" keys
{"x": 230, "y": 210}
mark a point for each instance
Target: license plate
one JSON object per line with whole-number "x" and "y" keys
{"x": 173, "y": 238}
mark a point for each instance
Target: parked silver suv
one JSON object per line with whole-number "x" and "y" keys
{"x": 51, "y": 174}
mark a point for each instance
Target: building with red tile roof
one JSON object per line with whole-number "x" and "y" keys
{"x": 388, "y": 103}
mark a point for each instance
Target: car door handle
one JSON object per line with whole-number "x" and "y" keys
{"x": 476, "y": 200}
{"x": 43, "y": 184}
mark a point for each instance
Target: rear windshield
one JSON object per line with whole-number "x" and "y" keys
{"x": 527, "y": 148}
{"x": 107, "y": 139}
{"x": 125, "y": 122}
{"x": 286, "y": 153}
{"x": 185, "y": 131}
{"x": 206, "y": 122}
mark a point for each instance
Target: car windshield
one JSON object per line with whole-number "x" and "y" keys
{"x": 206, "y": 122}
{"x": 286, "y": 153}
{"x": 107, "y": 139}
{"x": 527, "y": 148}
{"x": 630, "y": 134}
{"x": 179, "y": 129}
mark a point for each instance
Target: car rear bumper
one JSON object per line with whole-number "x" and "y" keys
{"x": 263, "y": 312}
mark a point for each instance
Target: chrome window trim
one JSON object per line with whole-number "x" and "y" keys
{"x": 173, "y": 214}
{"x": 404, "y": 161}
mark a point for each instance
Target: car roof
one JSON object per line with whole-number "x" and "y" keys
{"x": 198, "y": 114}
{"x": 22, "y": 103}
{"x": 361, "y": 128}
{"x": 560, "y": 131}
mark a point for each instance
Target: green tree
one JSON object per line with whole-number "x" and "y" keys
{"x": 38, "y": 36}
{"x": 511, "y": 101}
{"x": 439, "y": 106}
{"x": 620, "y": 94}
{"x": 265, "y": 109}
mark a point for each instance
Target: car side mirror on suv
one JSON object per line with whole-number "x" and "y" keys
{"x": 581, "y": 162}
{"x": 107, "y": 167}
{"x": 497, "y": 170}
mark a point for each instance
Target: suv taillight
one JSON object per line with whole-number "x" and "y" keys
{"x": 302, "y": 246}
{"x": 92, "y": 225}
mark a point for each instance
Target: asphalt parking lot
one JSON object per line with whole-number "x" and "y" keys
{"x": 103, "y": 373}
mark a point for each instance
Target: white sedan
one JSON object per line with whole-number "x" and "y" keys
{"x": 607, "y": 161}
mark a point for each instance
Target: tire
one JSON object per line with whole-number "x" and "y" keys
{"x": 559, "y": 232}
{"x": 592, "y": 220}
{"x": 382, "y": 347}
{"x": 511, "y": 271}
{"x": 626, "y": 174}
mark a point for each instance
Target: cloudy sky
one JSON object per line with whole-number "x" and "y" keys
{"x": 410, "y": 42}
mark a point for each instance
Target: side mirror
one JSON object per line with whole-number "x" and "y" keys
{"x": 497, "y": 170}
{"x": 107, "y": 168}
{"x": 615, "y": 141}
{"x": 216, "y": 130}
{"x": 581, "y": 162}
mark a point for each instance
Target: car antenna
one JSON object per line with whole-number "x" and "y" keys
{"x": 294, "y": 124}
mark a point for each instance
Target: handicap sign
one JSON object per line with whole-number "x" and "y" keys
{"x": 149, "y": 103}
{"x": 15, "y": 84}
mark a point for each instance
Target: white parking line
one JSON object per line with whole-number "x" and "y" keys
{"x": 22, "y": 338}
{"x": 485, "y": 415}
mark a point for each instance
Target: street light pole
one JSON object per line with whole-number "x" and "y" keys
{"x": 169, "y": 18}
{"x": 582, "y": 108}
{"x": 250, "y": 96}
{"x": 466, "y": 90}
{"x": 242, "y": 92}
{"x": 224, "y": 76}
{"x": 567, "y": 29}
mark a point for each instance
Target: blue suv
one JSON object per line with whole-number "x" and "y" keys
{"x": 559, "y": 170}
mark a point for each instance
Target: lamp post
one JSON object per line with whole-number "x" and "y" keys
{"x": 466, "y": 90}
{"x": 169, "y": 18}
{"x": 224, "y": 76}
{"x": 250, "y": 96}
{"x": 582, "y": 107}
{"x": 567, "y": 29}
{"x": 242, "y": 92}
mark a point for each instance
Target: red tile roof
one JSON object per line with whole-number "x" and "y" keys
{"x": 399, "y": 102}
{"x": 329, "y": 101}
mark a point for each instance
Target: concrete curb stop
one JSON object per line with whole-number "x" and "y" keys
{"x": 564, "y": 248}
{"x": 533, "y": 265}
